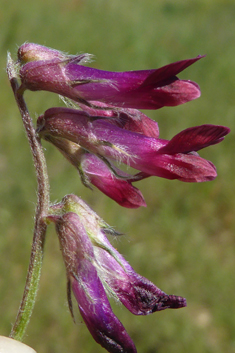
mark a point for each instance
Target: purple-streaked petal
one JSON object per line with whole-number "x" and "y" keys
{"x": 120, "y": 190}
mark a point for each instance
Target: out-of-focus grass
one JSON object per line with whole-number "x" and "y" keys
{"x": 184, "y": 240}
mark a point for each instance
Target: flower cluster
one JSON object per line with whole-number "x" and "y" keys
{"x": 92, "y": 143}
{"x": 101, "y": 129}
{"x": 109, "y": 127}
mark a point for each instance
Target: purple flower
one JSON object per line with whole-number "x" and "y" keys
{"x": 174, "y": 159}
{"x": 95, "y": 268}
{"x": 113, "y": 182}
{"x": 47, "y": 69}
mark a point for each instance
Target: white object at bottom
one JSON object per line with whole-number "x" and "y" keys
{"x": 9, "y": 345}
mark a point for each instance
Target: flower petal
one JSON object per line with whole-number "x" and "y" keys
{"x": 138, "y": 294}
{"x": 195, "y": 138}
{"x": 165, "y": 73}
{"x": 120, "y": 190}
{"x": 126, "y": 118}
{"x": 96, "y": 311}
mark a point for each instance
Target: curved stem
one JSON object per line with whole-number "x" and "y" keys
{"x": 34, "y": 270}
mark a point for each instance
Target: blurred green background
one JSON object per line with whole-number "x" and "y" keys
{"x": 184, "y": 240}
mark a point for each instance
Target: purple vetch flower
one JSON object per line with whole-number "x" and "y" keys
{"x": 112, "y": 181}
{"x": 174, "y": 159}
{"x": 47, "y": 69}
{"x": 95, "y": 268}
{"x": 88, "y": 290}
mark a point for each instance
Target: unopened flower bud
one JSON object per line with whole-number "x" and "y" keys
{"x": 35, "y": 52}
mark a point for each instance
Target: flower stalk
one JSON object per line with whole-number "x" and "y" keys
{"x": 34, "y": 270}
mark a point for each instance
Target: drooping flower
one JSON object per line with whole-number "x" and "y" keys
{"x": 112, "y": 181}
{"x": 95, "y": 268}
{"x": 51, "y": 70}
{"x": 174, "y": 159}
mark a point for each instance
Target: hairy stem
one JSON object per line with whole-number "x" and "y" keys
{"x": 34, "y": 270}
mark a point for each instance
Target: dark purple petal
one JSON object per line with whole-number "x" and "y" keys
{"x": 96, "y": 311}
{"x": 120, "y": 190}
{"x": 138, "y": 294}
{"x": 148, "y": 298}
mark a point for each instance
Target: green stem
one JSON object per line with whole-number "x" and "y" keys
{"x": 35, "y": 265}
